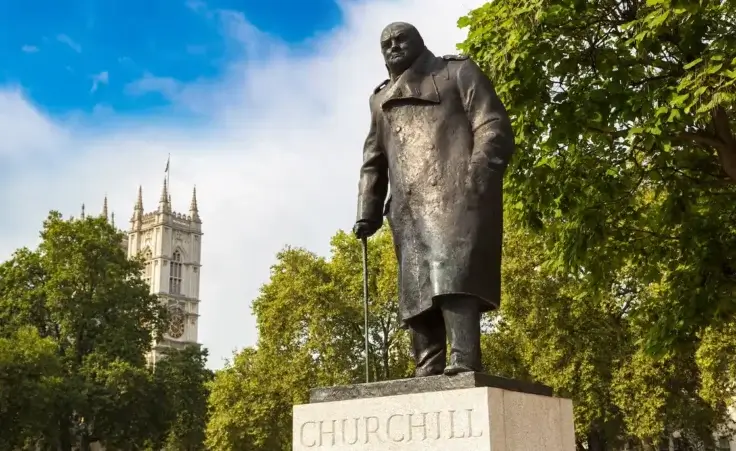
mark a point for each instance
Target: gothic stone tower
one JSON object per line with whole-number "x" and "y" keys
{"x": 172, "y": 245}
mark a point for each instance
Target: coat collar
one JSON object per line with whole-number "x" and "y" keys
{"x": 417, "y": 82}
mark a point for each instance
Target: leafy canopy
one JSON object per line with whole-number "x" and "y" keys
{"x": 626, "y": 156}
{"x": 310, "y": 329}
{"x": 76, "y": 322}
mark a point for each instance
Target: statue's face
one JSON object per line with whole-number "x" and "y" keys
{"x": 401, "y": 45}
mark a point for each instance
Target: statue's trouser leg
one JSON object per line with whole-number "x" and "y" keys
{"x": 428, "y": 339}
{"x": 462, "y": 319}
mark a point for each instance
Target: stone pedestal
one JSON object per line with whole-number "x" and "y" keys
{"x": 468, "y": 412}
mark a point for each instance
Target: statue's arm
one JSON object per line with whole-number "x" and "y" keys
{"x": 493, "y": 136}
{"x": 373, "y": 185}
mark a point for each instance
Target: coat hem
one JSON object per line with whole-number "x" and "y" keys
{"x": 486, "y": 305}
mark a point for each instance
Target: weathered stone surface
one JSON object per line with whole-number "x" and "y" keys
{"x": 424, "y": 385}
{"x": 477, "y": 419}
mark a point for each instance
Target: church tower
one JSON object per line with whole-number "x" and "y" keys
{"x": 171, "y": 243}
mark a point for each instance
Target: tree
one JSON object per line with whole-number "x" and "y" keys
{"x": 626, "y": 153}
{"x": 313, "y": 307}
{"x": 30, "y": 382}
{"x": 182, "y": 380}
{"x": 625, "y": 169}
{"x": 582, "y": 342}
{"x": 87, "y": 300}
{"x": 310, "y": 328}
{"x": 250, "y": 404}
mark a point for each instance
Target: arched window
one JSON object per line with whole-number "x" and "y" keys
{"x": 175, "y": 274}
{"x": 148, "y": 271}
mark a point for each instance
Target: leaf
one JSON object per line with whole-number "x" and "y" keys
{"x": 692, "y": 63}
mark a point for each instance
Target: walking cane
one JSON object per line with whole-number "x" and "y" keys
{"x": 364, "y": 241}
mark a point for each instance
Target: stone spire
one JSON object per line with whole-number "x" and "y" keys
{"x": 83, "y": 216}
{"x": 139, "y": 202}
{"x": 104, "y": 207}
{"x": 112, "y": 218}
{"x": 138, "y": 208}
{"x": 193, "y": 209}
{"x": 164, "y": 204}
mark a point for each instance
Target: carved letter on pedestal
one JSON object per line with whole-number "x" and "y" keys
{"x": 330, "y": 433}
{"x": 371, "y": 429}
{"x": 389, "y": 430}
{"x": 470, "y": 424}
{"x": 355, "y": 431}
{"x": 453, "y": 434}
{"x": 421, "y": 425}
{"x": 301, "y": 434}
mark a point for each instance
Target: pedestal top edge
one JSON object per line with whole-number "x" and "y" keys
{"x": 424, "y": 385}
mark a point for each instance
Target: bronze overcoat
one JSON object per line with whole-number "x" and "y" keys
{"x": 442, "y": 138}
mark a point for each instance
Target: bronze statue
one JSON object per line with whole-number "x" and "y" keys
{"x": 442, "y": 138}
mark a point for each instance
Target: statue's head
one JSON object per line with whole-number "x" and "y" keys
{"x": 401, "y": 45}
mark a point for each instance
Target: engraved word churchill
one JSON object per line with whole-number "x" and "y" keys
{"x": 407, "y": 427}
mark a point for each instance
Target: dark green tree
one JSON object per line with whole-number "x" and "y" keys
{"x": 30, "y": 387}
{"x": 87, "y": 300}
{"x": 182, "y": 381}
{"x": 625, "y": 168}
{"x": 622, "y": 112}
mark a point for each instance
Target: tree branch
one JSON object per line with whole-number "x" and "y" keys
{"x": 723, "y": 141}
{"x": 727, "y": 151}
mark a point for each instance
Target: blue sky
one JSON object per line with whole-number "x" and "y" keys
{"x": 76, "y": 55}
{"x": 262, "y": 105}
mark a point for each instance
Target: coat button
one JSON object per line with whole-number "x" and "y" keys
{"x": 431, "y": 146}
{"x": 408, "y": 191}
{"x": 433, "y": 181}
{"x": 398, "y": 129}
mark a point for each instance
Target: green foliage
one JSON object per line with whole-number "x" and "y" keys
{"x": 310, "y": 324}
{"x": 617, "y": 115}
{"x": 183, "y": 380}
{"x": 76, "y": 321}
{"x": 30, "y": 385}
{"x": 561, "y": 330}
{"x": 584, "y": 343}
{"x": 250, "y": 403}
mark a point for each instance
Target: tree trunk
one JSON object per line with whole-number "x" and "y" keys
{"x": 84, "y": 443}
{"x": 727, "y": 151}
{"x": 65, "y": 435}
{"x": 719, "y": 137}
{"x": 596, "y": 440}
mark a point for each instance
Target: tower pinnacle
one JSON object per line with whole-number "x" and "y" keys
{"x": 104, "y": 207}
{"x": 139, "y": 202}
{"x": 193, "y": 209}
{"x": 164, "y": 204}
{"x": 138, "y": 208}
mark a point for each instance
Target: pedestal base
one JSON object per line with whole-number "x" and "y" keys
{"x": 468, "y": 412}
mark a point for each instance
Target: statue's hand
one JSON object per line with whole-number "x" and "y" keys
{"x": 365, "y": 229}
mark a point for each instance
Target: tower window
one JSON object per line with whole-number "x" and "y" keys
{"x": 175, "y": 274}
{"x": 148, "y": 271}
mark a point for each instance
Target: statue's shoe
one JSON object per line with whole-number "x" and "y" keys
{"x": 457, "y": 368}
{"x": 426, "y": 372}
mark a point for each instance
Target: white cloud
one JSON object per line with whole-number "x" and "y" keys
{"x": 166, "y": 86}
{"x": 275, "y": 163}
{"x": 29, "y": 49}
{"x": 64, "y": 39}
{"x": 102, "y": 78}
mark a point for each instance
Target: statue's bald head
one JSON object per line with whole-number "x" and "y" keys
{"x": 401, "y": 45}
